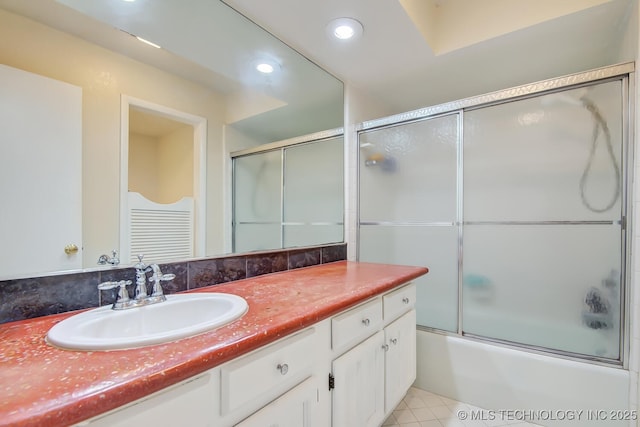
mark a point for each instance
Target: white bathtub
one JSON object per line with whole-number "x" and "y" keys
{"x": 516, "y": 384}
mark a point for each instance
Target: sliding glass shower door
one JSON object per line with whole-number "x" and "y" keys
{"x": 543, "y": 214}
{"x": 289, "y": 196}
{"x": 408, "y": 209}
{"x": 518, "y": 209}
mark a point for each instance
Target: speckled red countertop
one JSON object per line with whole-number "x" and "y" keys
{"x": 41, "y": 385}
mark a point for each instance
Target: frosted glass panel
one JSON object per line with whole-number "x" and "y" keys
{"x": 256, "y": 237}
{"x": 306, "y": 235}
{"x": 432, "y": 247}
{"x": 257, "y": 187}
{"x": 529, "y": 160}
{"x": 408, "y": 172}
{"x": 550, "y": 286}
{"x": 314, "y": 182}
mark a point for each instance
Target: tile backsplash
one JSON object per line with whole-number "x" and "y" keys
{"x": 41, "y": 296}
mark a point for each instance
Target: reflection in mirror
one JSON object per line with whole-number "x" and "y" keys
{"x": 161, "y": 189}
{"x": 206, "y": 67}
{"x": 289, "y": 196}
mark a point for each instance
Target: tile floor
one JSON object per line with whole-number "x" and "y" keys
{"x": 421, "y": 408}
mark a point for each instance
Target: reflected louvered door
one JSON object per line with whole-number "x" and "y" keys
{"x": 161, "y": 232}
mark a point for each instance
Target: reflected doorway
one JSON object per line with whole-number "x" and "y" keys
{"x": 162, "y": 183}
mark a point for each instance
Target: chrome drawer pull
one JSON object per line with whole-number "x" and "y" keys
{"x": 366, "y": 322}
{"x": 283, "y": 368}
{"x": 405, "y": 300}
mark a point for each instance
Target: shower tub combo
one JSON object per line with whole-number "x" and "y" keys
{"x": 518, "y": 203}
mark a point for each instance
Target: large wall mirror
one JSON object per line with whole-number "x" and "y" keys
{"x": 205, "y": 67}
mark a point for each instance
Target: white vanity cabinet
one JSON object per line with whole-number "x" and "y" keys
{"x": 372, "y": 377}
{"x": 400, "y": 359}
{"x": 400, "y": 344}
{"x": 186, "y": 403}
{"x": 358, "y": 394}
{"x": 295, "y": 408}
{"x": 369, "y": 353}
{"x": 280, "y": 376}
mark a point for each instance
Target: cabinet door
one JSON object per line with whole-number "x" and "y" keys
{"x": 400, "y": 359}
{"x": 293, "y": 409}
{"x": 358, "y": 396}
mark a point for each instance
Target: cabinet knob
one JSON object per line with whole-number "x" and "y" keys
{"x": 366, "y": 322}
{"x": 71, "y": 249}
{"x": 405, "y": 300}
{"x": 385, "y": 347}
{"x": 394, "y": 341}
{"x": 283, "y": 368}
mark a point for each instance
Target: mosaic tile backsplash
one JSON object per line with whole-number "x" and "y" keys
{"x": 41, "y": 296}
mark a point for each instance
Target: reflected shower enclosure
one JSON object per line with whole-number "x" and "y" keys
{"x": 518, "y": 209}
{"x": 289, "y": 196}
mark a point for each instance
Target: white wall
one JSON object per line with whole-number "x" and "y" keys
{"x": 629, "y": 50}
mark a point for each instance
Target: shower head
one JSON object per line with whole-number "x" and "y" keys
{"x": 386, "y": 163}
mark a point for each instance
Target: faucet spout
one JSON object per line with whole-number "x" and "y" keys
{"x": 141, "y": 279}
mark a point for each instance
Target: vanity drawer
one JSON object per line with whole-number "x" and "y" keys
{"x": 398, "y": 302}
{"x": 356, "y": 324}
{"x": 262, "y": 376}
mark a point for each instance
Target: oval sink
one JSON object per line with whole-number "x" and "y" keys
{"x": 180, "y": 316}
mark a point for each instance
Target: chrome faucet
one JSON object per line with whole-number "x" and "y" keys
{"x": 106, "y": 259}
{"x": 141, "y": 278}
{"x": 123, "y": 301}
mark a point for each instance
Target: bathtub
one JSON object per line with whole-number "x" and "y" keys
{"x": 513, "y": 384}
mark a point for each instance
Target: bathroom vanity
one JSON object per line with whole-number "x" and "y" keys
{"x": 326, "y": 345}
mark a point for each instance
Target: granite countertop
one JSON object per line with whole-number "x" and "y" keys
{"x": 41, "y": 385}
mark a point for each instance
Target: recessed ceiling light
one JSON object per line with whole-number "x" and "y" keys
{"x": 265, "y": 68}
{"x": 345, "y": 28}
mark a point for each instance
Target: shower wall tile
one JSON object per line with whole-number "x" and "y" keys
{"x": 634, "y": 362}
{"x": 27, "y": 298}
{"x": 635, "y": 298}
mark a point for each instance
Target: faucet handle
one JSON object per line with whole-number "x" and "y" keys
{"x": 110, "y": 285}
{"x": 123, "y": 294}
{"x": 158, "y": 277}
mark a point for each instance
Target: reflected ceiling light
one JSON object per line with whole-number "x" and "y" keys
{"x": 140, "y": 38}
{"x": 147, "y": 41}
{"x": 345, "y": 28}
{"x": 265, "y": 68}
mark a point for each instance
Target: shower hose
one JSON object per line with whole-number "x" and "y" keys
{"x": 599, "y": 123}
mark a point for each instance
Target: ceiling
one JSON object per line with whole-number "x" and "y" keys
{"x": 412, "y": 53}
{"x": 477, "y": 46}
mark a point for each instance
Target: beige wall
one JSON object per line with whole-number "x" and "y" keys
{"x": 161, "y": 168}
{"x": 175, "y": 165}
{"x": 143, "y": 165}
{"x": 104, "y": 76}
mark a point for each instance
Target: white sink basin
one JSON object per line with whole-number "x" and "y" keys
{"x": 180, "y": 316}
